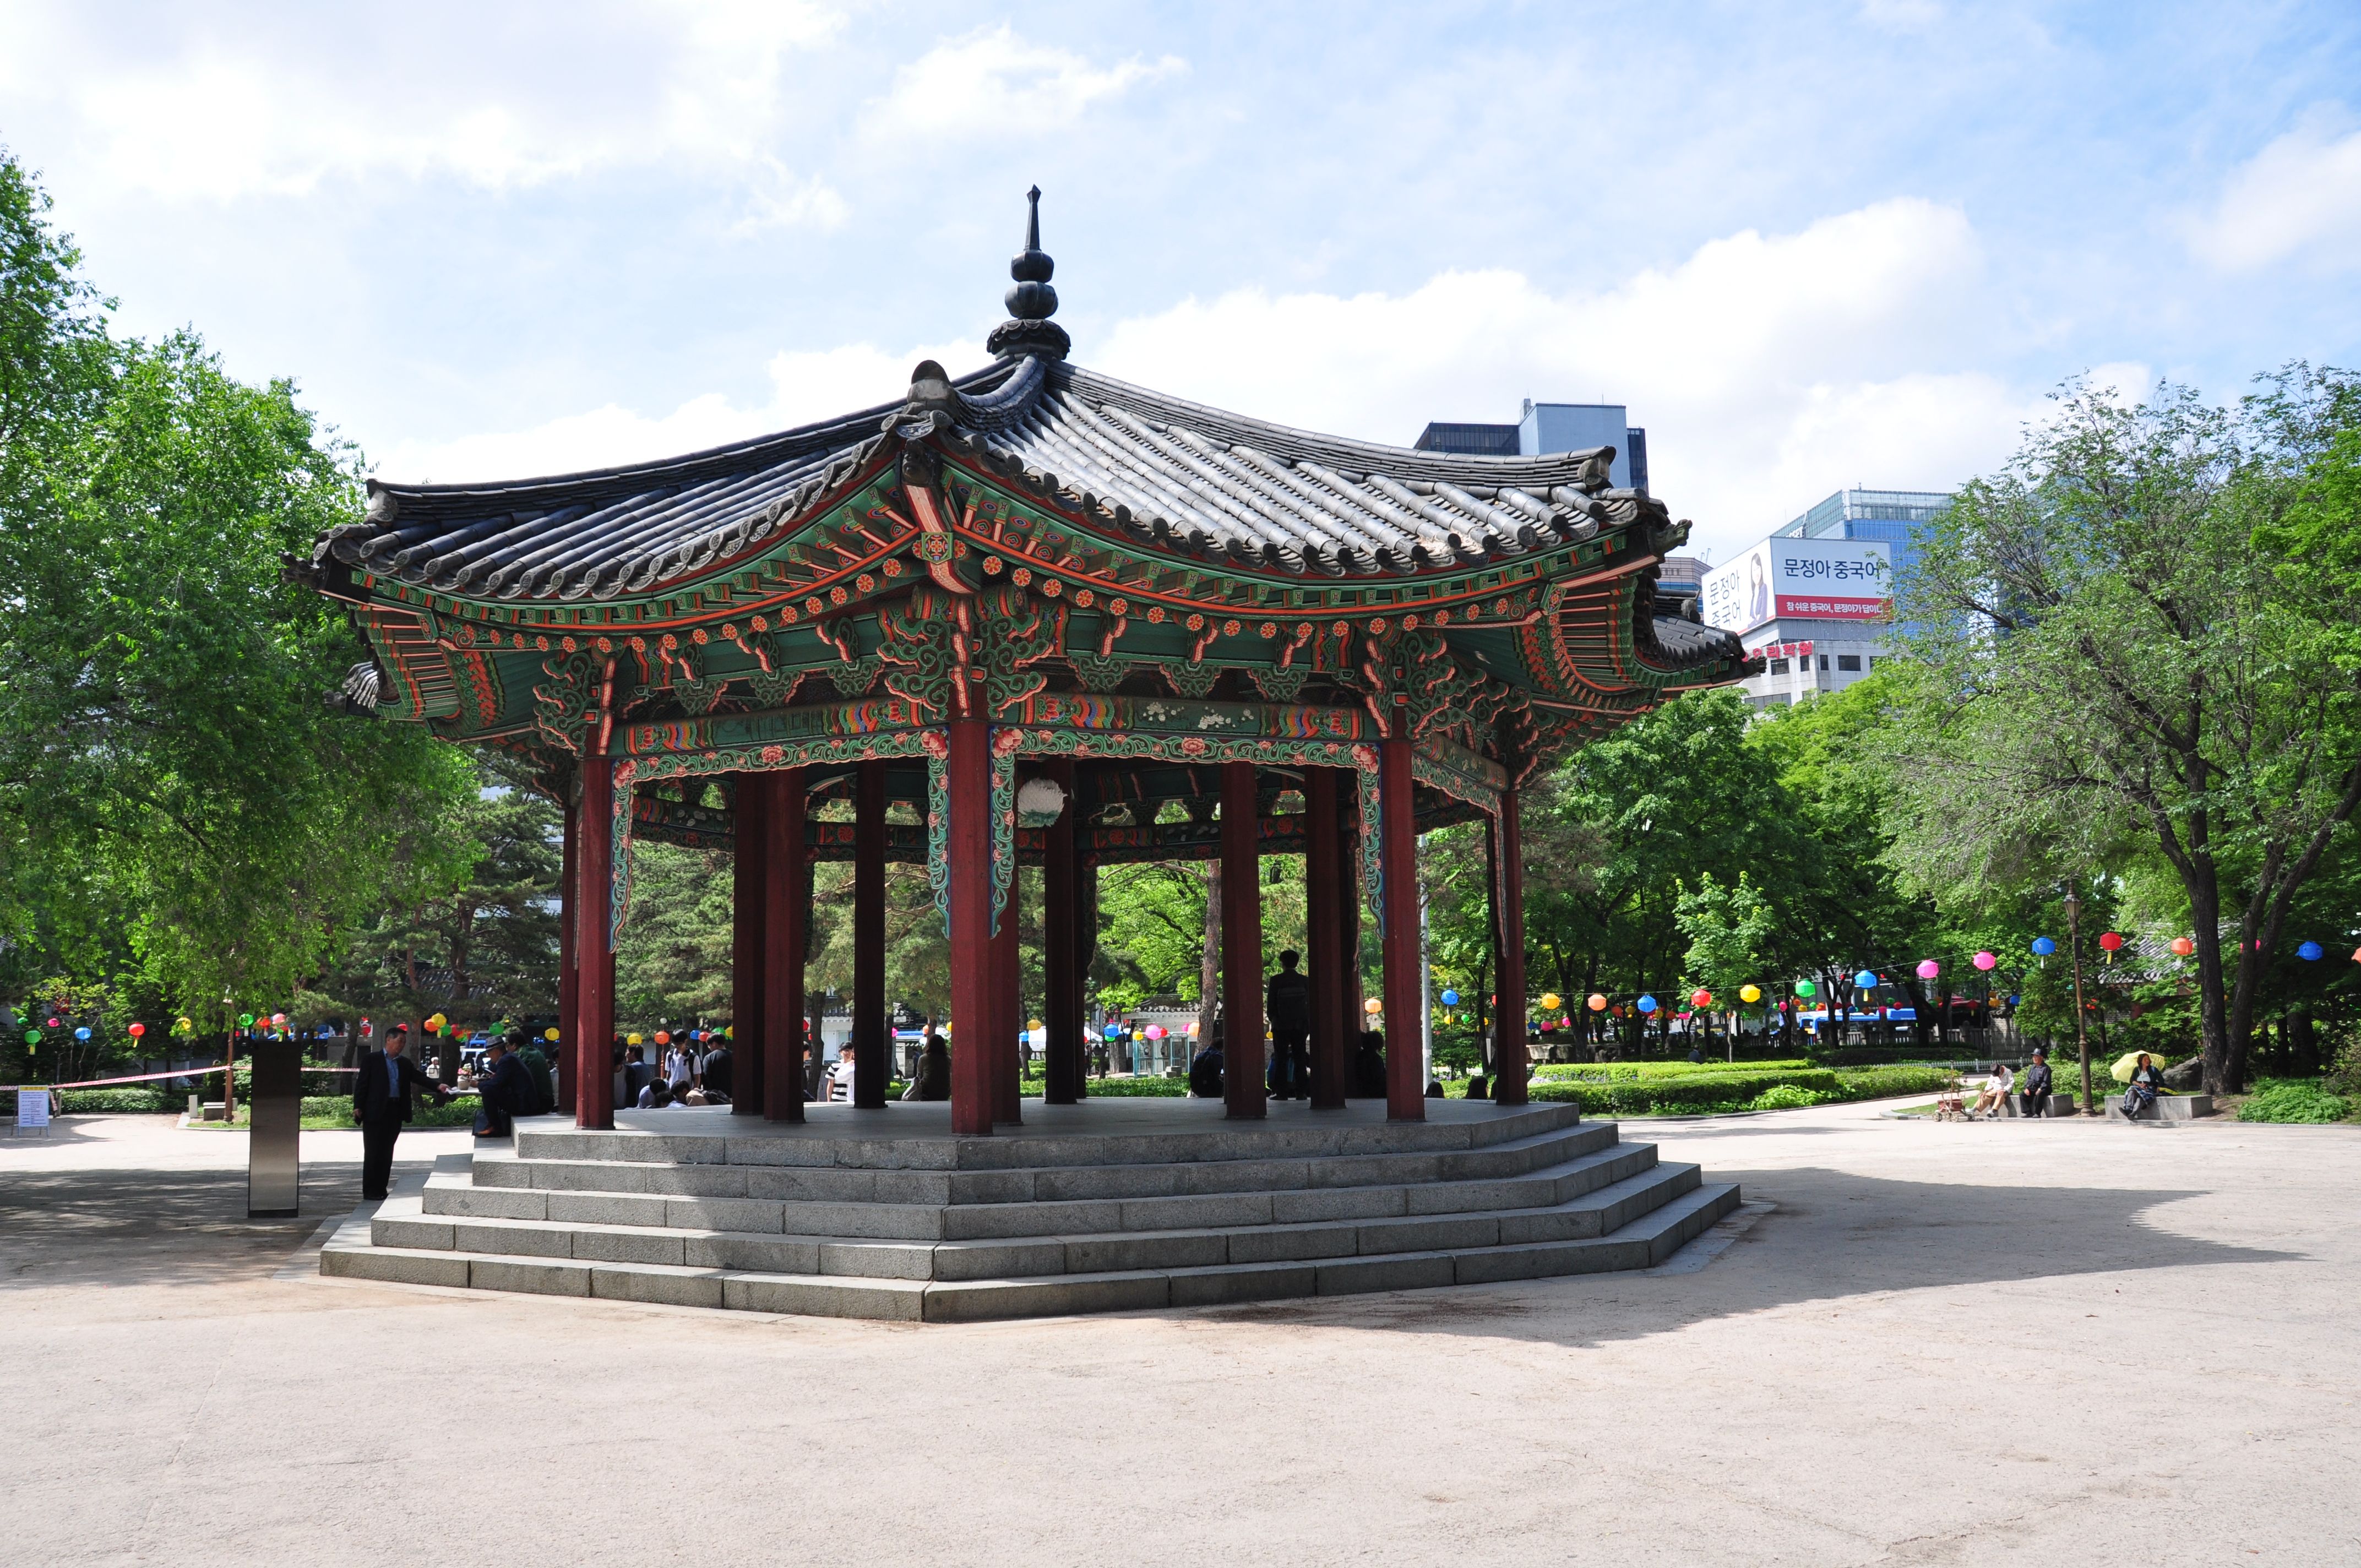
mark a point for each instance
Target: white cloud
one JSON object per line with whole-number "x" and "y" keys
{"x": 2299, "y": 196}
{"x": 807, "y": 387}
{"x": 1768, "y": 370}
{"x": 992, "y": 77}
{"x": 221, "y": 115}
{"x": 1902, "y": 16}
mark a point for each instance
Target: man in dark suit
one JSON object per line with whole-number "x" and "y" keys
{"x": 506, "y": 1090}
{"x": 381, "y": 1104}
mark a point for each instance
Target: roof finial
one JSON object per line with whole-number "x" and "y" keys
{"x": 1032, "y": 302}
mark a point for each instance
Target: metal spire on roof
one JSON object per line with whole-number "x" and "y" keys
{"x": 1032, "y": 302}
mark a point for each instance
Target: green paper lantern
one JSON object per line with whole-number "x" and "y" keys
{"x": 245, "y": 1020}
{"x": 32, "y": 1036}
{"x": 1806, "y": 989}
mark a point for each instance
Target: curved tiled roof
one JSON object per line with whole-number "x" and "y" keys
{"x": 1197, "y": 480}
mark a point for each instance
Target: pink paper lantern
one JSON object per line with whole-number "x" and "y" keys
{"x": 1985, "y": 960}
{"x": 1156, "y": 1031}
{"x": 1929, "y": 969}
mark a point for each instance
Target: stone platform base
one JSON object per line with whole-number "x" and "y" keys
{"x": 2167, "y": 1108}
{"x": 2020, "y": 1105}
{"x": 1110, "y": 1206}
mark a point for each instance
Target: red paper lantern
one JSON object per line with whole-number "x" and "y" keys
{"x": 2183, "y": 947}
{"x": 138, "y": 1030}
{"x": 1701, "y": 997}
{"x": 663, "y": 1038}
{"x": 2111, "y": 940}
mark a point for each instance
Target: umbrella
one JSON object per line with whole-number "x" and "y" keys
{"x": 2129, "y": 1060}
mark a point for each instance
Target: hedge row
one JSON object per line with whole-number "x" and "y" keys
{"x": 1625, "y": 1072}
{"x": 1705, "y": 1092}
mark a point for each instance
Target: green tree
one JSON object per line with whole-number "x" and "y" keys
{"x": 2116, "y": 642}
{"x": 174, "y": 796}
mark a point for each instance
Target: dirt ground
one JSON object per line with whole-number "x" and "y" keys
{"x": 2000, "y": 1343}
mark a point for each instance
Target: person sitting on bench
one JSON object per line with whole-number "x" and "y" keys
{"x": 2146, "y": 1084}
{"x": 2037, "y": 1084}
{"x": 1995, "y": 1090}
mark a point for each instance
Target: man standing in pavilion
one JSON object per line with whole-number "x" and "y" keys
{"x": 1287, "y": 1003}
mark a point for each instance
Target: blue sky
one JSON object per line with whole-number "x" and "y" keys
{"x": 1810, "y": 245}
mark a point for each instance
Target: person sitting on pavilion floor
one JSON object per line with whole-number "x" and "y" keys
{"x": 1205, "y": 1070}
{"x": 933, "y": 1078}
{"x": 1995, "y": 1090}
{"x": 504, "y": 1091}
{"x": 1286, "y": 1006}
{"x": 545, "y": 1077}
{"x": 655, "y": 1095}
{"x": 1478, "y": 1089}
{"x": 1367, "y": 1077}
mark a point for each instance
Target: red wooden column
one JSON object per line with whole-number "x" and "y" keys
{"x": 1007, "y": 1095}
{"x": 1243, "y": 1089}
{"x": 869, "y": 1064}
{"x": 968, "y": 846}
{"x": 778, "y": 1086}
{"x": 594, "y": 1000}
{"x": 1397, "y": 843}
{"x": 749, "y": 872}
{"x": 569, "y": 1018}
{"x": 1509, "y": 963}
{"x": 1323, "y": 896}
{"x": 1062, "y": 951}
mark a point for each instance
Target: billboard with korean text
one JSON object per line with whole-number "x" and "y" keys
{"x": 1806, "y": 579}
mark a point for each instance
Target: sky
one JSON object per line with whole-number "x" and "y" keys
{"x": 1809, "y": 246}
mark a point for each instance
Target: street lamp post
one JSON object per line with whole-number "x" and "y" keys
{"x": 2081, "y": 1035}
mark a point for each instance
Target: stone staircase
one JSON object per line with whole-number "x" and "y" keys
{"x": 942, "y": 1230}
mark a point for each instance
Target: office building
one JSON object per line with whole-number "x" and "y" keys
{"x": 1550, "y": 427}
{"x": 1815, "y": 599}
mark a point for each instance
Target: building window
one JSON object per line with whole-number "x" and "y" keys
{"x": 1776, "y": 667}
{"x": 1847, "y": 660}
{"x": 1824, "y": 661}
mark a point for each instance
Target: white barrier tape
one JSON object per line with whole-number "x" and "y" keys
{"x": 152, "y": 1077}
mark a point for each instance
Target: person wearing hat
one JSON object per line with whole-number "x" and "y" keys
{"x": 2038, "y": 1084}
{"x": 381, "y": 1104}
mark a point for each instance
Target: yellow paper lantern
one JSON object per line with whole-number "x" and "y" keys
{"x": 549, "y": 1035}
{"x": 1035, "y": 1025}
{"x": 1372, "y": 1005}
{"x": 632, "y": 1040}
{"x": 1750, "y": 993}
{"x": 1550, "y": 1000}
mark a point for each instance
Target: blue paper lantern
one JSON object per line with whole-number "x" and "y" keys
{"x": 1450, "y": 999}
{"x": 1647, "y": 1005}
{"x": 84, "y": 1032}
{"x": 2043, "y": 946}
{"x": 1114, "y": 1032}
{"x": 2308, "y": 953}
{"x": 2012, "y": 999}
{"x": 1866, "y": 979}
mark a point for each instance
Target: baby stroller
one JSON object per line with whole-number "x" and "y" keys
{"x": 1950, "y": 1101}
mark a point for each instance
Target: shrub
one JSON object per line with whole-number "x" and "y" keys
{"x": 1700, "y": 1093}
{"x": 1784, "y": 1097}
{"x": 2293, "y": 1100}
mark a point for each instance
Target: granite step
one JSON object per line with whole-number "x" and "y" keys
{"x": 1607, "y": 1193}
{"x": 1643, "y": 1241}
{"x": 1043, "y": 1183}
{"x": 715, "y": 1141}
{"x": 1605, "y": 1160}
